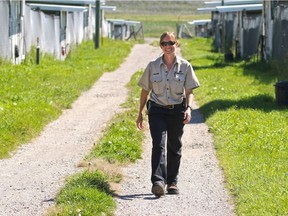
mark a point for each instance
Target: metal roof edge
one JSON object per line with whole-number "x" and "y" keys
{"x": 122, "y": 21}
{"x": 208, "y": 9}
{"x": 50, "y": 7}
{"x": 200, "y": 22}
{"x": 66, "y": 2}
{"x": 235, "y": 8}
{"x": 232, "y": 2}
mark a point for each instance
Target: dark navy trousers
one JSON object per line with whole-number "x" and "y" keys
{"x": 166, "y": 128}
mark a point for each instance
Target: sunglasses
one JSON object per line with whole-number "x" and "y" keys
{"x": 167, "y": 43}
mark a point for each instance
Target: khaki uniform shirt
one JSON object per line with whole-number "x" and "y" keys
{"x": 168, "y": 87}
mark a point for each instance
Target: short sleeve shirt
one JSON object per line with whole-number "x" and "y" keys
{"x": 168, "y": 87}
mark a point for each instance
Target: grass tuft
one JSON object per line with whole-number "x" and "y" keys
{"x": 86, "y": 194}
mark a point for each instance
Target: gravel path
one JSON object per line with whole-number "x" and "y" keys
{"x": 31, "y": 178}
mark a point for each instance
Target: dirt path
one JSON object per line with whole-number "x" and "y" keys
{"x": 31, "y": 179}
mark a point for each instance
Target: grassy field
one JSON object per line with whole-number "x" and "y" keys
{"x": 157, "y": 16}
{"x": 249, "y": 128}
{"x": 153, "y": 7}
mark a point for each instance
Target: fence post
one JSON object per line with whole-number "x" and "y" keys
{"x": 97, "y": 24}
{"x": 38, "y": 52}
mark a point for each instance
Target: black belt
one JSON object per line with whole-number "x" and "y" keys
{"x": 166, "y": 106}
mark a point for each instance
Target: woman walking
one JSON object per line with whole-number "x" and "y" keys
{"x": 168, "y": 81}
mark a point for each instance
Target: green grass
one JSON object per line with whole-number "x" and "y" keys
{"x": 32, "y": 95}
{"x": 250, "y": 129}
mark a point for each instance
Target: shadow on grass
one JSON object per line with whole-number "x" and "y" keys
{"x": 213, "y": 66}
{"x": 262, "y": 102}
{"x": 266, "y": 72}
{"x": 261, "y": 71}
{"x": 217, "y": 63}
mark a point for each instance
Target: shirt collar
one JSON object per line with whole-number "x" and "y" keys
{"x": 176, "y": 61}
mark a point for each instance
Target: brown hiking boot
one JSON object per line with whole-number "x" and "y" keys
{"x": 158, "y": 188}
{"x": 172, "y": 189}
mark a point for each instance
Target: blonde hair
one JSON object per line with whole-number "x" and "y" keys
{"x": 171, "y": 34}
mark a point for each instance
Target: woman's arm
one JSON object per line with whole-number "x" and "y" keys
{"x": 188, "y": 111}
{"x": 143, "y": 100}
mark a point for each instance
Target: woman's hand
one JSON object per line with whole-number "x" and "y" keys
{"x": 188, "y": 111}
{"x": 139, "y": 121}
{"x": 187, "y": 116}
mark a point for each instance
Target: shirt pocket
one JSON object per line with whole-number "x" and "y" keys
{"x": 157, "y": 84}
{"x": 178, "y": 83}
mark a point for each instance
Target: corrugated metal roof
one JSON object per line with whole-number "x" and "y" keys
{"x": 235, "y": 8}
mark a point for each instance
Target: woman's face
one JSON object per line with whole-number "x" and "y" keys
{"x": 168, "y": 45}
